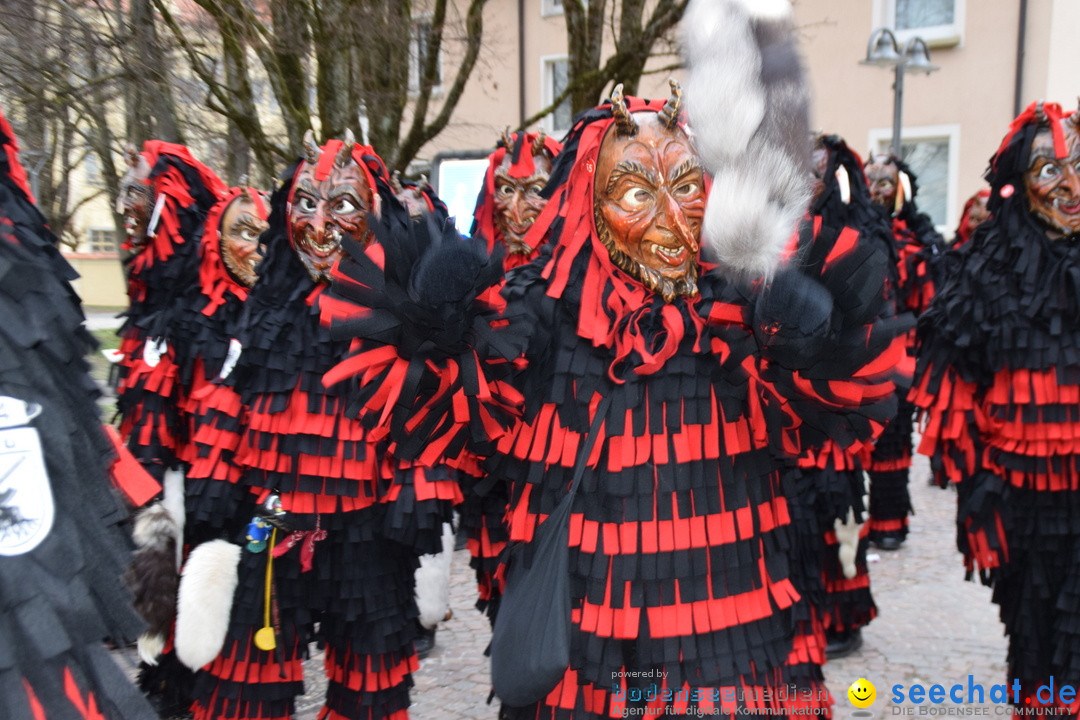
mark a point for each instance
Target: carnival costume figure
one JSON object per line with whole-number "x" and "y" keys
{"x": 341, "y": 522}
{"x": 832, "y": 483}
{"x": 998, "y": 381}
{"x": 165, "y": 197}
{"x": 511, "y": 198}
{"x": 919, "y": 254}
{"x": 62, "y": 546}
{"x": 433, "y": 575}
{"x": 700, "y": 381}
{"x": 973, "y": 215}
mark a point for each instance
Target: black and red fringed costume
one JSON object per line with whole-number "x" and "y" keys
{"x": 920, "y": 259}
{"x": 681, "y": 546}
{"x": 161, "y": 275}
{"x": 357, "y": 518}
{"x": 998, "y": 383}
{"x": 485, "y": 500}
{"x": 60, "y": 594}
{"x": 522, "y": 153}
{"x": 211, "y": 321}
{"x": 831, "y": 482}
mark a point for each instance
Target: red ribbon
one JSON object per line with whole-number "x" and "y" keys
{"x": 307, "y": 549}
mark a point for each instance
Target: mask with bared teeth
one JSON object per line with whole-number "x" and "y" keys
{"x": 649, "y": 197}
{"x": 329, "y": 201}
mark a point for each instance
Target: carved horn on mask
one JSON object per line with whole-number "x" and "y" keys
{"x": 1040, "y": 113}
{"x": 131, "y": 155}
{"x": 507, "y": 139}
{"x": 344, "y": 156}
{"x": 624, "y": 122}
{"x": 395, "y": 182}
{"x": 1075, "y": 117}
{"x": 312, "y": 151}
{"x": 538, "y": 144}
{"x": 669, "y": 115}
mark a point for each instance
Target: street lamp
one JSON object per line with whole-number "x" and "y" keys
{"x": 883, "y": 50}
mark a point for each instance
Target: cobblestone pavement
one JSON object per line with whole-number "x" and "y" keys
{"x": 932, "y": 627}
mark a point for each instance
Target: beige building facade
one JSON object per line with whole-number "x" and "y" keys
{"x": 953, "y": 119}
{"x": 957, "y": 114}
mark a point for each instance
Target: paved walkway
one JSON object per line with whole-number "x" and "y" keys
{"x": 932, "y": 628}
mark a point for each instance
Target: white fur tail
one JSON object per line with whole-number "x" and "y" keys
{"x": 205, "y": 602}
{"x": 749, "y": 109}
{"x": 433, "y": 582}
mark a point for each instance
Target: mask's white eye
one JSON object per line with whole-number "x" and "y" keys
{"x": 636, "y": 197}
{"x": 1049, "y": 171}
{"x": 686, "y": 189}
{"x": 345, "y": 205}
{"x": 504, "y": 190}
{"x": 307, "y": 204}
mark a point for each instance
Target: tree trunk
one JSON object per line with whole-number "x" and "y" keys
{"x": 332, "y": 54}
{"x": 152, "y": 112}
{"x": 291, "y": 44}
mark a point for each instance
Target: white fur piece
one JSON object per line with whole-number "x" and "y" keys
{"x": 724, "y": 63}
{"x": 433, "y": 582}
{"x": 749, "y": 108}
{"x": 150, "y": 646}
{"x": 847, "y": 533}
{"x": 155, "y": 527}
{"x": 173, "y": 500}
{"x": 205, "y": 600}
{"x": 767, "y": 9}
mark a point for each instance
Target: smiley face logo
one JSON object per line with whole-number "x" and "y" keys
{"x": 862, "y": 693}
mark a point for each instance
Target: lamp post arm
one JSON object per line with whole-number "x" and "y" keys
{"x": 898, "y": 107}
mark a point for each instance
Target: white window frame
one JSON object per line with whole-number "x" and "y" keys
{"x": 935, "y": 35}
{"x": 881, "y": 138}
{"x": 414, "y": 59}
{"x": 92, "y": 171}
{"x": 547, "y": 64}
{"x": 551, "y": 7}
{"x": 90, "y": 242}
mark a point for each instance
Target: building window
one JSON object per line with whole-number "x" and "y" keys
{"x": 101, "y": 240}
{"x": 92, "y": 168}
{"x": 418, "y": 49}
{"x": 555, "y": 82}
{"x": 938, "y": 22}
{"x": 551, "y": 7}
{"x": 932, "y": 153}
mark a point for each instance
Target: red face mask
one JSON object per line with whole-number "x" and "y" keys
{"x": 413, "y": 200}
{"x": 883, "y": 179}
{"x": 1053, "y": 183}
{"x": 650, "y": 200}
{"x": 241, "y": 225}
{"x": 135, "y": 200}
{"x": 518, "y": 202}
{"x": 323, "y": 212}
{"x": 977, "y": 213}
